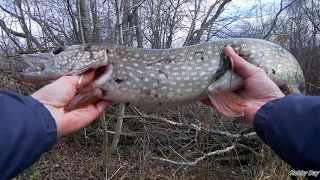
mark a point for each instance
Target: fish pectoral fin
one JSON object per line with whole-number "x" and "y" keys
{"x": 228, "y": 103}
{"x": 84, "y": 98}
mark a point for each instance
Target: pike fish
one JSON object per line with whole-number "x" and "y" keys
{"x": 156, "y": 78}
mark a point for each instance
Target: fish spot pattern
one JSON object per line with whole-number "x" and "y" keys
{"x": 179, "y": 77}
{"x": 81, "y": 58}
{"x": 170, "y": 74}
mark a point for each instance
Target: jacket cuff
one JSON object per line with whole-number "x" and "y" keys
{"x": 260, "y": 121}
{"x": 49, "y": 122}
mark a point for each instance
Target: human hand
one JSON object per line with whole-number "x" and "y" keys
{"x": 59, "y": 93}
{"x": 255, "y": 93}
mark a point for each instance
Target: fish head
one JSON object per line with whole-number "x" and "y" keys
{"x": 41, "y": 67}
{"x": 73, "y": 60}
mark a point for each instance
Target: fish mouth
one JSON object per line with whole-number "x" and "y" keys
{"x": 36, "y": 62}
{"x": 42, "y": 67}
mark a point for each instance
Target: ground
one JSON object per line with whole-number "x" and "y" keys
{"x": 80, "y": 156}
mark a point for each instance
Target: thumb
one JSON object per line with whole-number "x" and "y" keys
{"x": 244, "y": 68}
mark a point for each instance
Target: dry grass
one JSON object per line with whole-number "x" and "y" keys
{"x": 79, "y": 157}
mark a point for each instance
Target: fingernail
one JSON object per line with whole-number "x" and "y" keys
{"x": 230, "y": 49}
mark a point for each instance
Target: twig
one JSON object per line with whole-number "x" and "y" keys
{"x": 85, "y": 135}
{"x": 216, "y": 132}
{"x": 137, "y": 111}
{"x": 313, "y": 85}
{"x": 123, "y": 134}
{"x": 314, "y": 73}
{"x": 116, "y": 172}
{"x": 249, "y": 148}
{"x": 154, "y": 117}
{"x": 233, "y": 158}
{"x": 252, "y": 134}
{"x": 198, "y": 159}
{"x": 116, "y": 136}
{"x": 178, "y": 153}
{"x": 105, "y": 146}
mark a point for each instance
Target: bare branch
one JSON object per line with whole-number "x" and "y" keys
{"x": 314, "y": 73}
{"x": 191, "y": 125}
{"x": 10, "y": 31}
{"x": 313, "y": 85}
{"x": 276, "y": 18}
{"x": 74, "y": 24}
{"x": 309, "y": 17}
{"x": 195, "y": 162}
{"x": 249, "y": 148}
{"x": 196, "y": 35}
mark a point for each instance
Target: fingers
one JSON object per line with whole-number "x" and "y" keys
{"x": 87, "y": 78}
{"x": 91, "y": 112}
{"x": 244, "y": 68}
{"x": 88, "y": 113}
{"x": 102, "y": 105}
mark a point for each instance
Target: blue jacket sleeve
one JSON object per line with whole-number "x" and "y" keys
{"x": 27, "y": 130}
{"x": 291, "y": 127}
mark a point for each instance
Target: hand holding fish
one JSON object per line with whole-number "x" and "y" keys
{"x": 162, "y": 78}
{"x": 258, "y": 89}
{"x": 57, "y": 95}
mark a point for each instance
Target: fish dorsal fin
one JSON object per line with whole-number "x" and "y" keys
{"x": 281, "y": 38}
